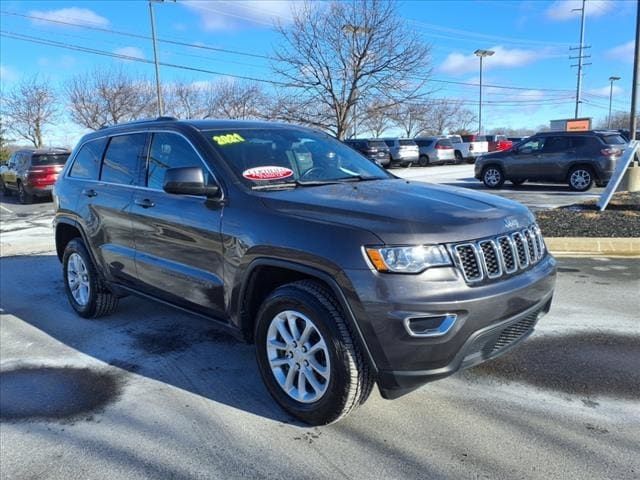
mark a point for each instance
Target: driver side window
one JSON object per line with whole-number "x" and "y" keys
{"x": 532, "y": 146}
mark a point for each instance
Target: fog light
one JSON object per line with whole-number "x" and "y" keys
{"x": 430, "y": 325}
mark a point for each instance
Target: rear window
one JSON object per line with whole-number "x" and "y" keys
{"x": 423, "y": 143}
{"x": 455, "y": 139}
{"x": 407, "y": 143}
{"x": 87, "y": 162}
{"x": 49, "y": 159}
{"x": 125, "y": 155}
{"x": 613, "y": 139}
{"x": 445, "y": 142}
{"x": 389, "y": 143}
{"x": 377, "y": 144}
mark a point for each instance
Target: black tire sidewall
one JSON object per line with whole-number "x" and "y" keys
{"x": 423, "y": 161}
{"x": 332, "y": 402}
{"x": 77, "y": 246}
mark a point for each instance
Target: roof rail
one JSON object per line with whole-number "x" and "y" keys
{"x": 164, "y": 118}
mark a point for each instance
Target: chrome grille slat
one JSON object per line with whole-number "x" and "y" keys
{"x": 493, "y": 258}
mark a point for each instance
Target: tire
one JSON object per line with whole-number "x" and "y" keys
{"x": 459, "y": 158}
{"x": 580, "y": 179}
{"x": 99, "y": 300}
{"x": 3, "y": 188}
{"x": 405, "y": 164}
{"x": 24, "y": 197}
{"x": 492, "y": 176}
{"x": 348, "y": 380}
{"x": 517, "y": 183}
{"x": 423, "y": 161}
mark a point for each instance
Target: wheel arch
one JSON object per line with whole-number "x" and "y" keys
{"x": 264, "y": 275}
{"x": 66, "y": 229}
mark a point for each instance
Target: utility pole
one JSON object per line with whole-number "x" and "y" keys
{"x": 155, "y": 56}
{"x": 354, "y": 30}
{"x": 611, "y": 80}
{"x": 580, "y": 57}
{"x": 633, "y": 124}
{"x": 481, "y": 54}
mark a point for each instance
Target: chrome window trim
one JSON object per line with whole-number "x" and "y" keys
{"x": 139, "y": 187}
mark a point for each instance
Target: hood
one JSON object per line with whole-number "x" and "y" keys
{"x": 404, "y": 212}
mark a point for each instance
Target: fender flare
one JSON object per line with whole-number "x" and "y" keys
{"x": 320, "y": 275}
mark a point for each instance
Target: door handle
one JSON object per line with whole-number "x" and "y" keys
{"x": 89, "y": 192}
{"x": 145, "y": 203}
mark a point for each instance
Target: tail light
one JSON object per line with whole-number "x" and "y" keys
{"x": 443, "y": 147}
{"x": 43, "y": 176}
{"x": 611, "y": 152}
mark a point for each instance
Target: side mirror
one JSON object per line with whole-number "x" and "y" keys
{"x": 188, "y": 181}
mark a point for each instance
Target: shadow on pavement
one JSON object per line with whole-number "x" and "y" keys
{"x": 141, "y": 337}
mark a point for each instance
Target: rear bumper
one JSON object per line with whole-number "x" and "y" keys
{"x": 382, "y": 303}
{"x": 39, "y": 190}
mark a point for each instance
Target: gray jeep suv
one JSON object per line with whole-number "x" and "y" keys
{"x": 578, "y": 158}
{"x": 341, "y": 274}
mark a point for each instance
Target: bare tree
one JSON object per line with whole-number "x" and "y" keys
{"x": 447, "y": 115}
{"x": 377, "y": 118}
{"x": 619, "y": 121}
{"x": 335, "y": 55}
{"x": 29, "y": 108}
{"x": 107, "y": 97}
{"x": 236, "y": 100}
{"x": 412, "y": 118}
{"x": 186, "y": 100}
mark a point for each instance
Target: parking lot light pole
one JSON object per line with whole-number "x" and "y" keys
{"x": 354, "y": 30}
{"x": 611, "y": 79}
{"x": 481, "y": 54}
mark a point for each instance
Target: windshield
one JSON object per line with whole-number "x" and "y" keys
{"x": 48, "y": 159}
{"x": 270, "y": 157}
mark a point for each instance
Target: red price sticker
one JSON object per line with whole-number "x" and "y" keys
{"x": 267, "y": 173}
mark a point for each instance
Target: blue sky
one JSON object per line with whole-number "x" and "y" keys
{"x": 531, "y": 40}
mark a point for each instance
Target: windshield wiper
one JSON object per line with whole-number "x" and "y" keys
{"x": 313, "y": 183}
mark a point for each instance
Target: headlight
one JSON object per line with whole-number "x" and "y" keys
{"x": 408, "y": 259}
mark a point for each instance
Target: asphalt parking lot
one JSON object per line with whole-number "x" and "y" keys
{"x": 150, "y": 392}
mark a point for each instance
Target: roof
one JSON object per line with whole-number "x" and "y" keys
{"x": 44, "y": 151}
{"x": 221, "y": 124}
{"x": 592, "y": 132}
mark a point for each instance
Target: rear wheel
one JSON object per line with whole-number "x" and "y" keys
{"x": 24, "y": 197}
{"x": 424, "y": 160}
{"x": 580, "y": 179}
{"x": 492, "y": 176}
{"x": 306, "y": 354}
{"x": 87, "y": 293}
{"x": 459, "y": 158}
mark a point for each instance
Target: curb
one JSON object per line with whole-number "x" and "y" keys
{"x": 627, "y": 247}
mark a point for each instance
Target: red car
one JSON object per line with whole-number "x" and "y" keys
{"x": 498, "y": 143}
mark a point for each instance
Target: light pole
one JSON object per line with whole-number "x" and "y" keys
{"x": 481, "y": 54}
{"x": 611, "y": 79}
{"x": 155, "y": 55}
{"x": 353, "y": 30}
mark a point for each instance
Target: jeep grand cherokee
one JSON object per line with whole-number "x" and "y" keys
{"x": 341, "y": 274}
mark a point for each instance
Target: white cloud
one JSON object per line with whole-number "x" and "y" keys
{"x": 563, "y": 9}
{"x": 229, "y": 15}
{"x": 604, "y": 91}
{"x": 458, "y": 63}
{"x": 8, "y": 74}
{"x": 82, "y": 16}
{"x": 622, "y": 52}
{"x": 134, "y": 52}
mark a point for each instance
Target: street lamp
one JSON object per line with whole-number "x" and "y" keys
{"x": 353, "y": 30}
{"x": 481, "y": 54}
{"x": 611, "y": 79}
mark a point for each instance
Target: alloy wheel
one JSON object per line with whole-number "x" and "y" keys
{"x": 298, "y": 356}
{"x": 492, "y": 177}
{"x": 78, "y": 279}
{"x": 580, "y": 179}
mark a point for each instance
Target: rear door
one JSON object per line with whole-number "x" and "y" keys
{"x": 105, "y": 206}
{"x": 177, "y": 237}
{"x": 556, "y": 154}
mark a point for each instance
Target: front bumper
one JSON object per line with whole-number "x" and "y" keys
{"x": 405, "y": 362}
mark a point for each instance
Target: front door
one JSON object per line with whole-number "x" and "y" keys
{"x": 177, "y": 237}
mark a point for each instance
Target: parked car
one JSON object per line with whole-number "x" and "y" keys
{"x": 477, "y": 145}
{"x": 435, "y": 150}
{"x": 516, "y": 139}
{"x": 498, "y": 143}
{"x": 341, "y": 274}
{"x": 32, "y": 172}
{"x": 460, "y": 148}
{"x": 374, "y": 150}
{"x": 626, "y": 134}
{"x": 403, "y": 151}
{"x": 578, "y": 158}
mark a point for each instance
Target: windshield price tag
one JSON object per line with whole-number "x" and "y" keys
{"x": 228, "y": 139}
{"x": 267, "y": 173}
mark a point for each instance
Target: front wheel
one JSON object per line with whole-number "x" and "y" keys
{"x": 580, "y": 179}
{"x": 24, "y": 197}
{"x": 459, "y": 158}
{"x": 492, "y": 176}
{"x": 424, "y": 161}
{"x": 306, "y": 354}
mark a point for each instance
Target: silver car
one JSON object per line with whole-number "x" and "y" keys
{"x": 403, "y": 151}
{"x": 435, "y": 150}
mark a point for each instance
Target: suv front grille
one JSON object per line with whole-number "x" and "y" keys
{"x": 493, "y": 258}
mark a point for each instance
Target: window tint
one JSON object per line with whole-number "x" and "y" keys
{"x": 613, "y": 139}
{"x": 445, "y": 142}
{"x": 407, "y": 143}
{"x": 556, "y": 144}
{"x": 424, "y": 143}
{"x": 124, "y": 156}
{"x": 49, "y": 159}
{"x": 377, "y": 144}
{"x": 87, "y": 162}
{"x": 169, "y": 150}
{"x": 389, "y": 143}
{"x": 534, "y": 144}
{"x": 579, "y": 142}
